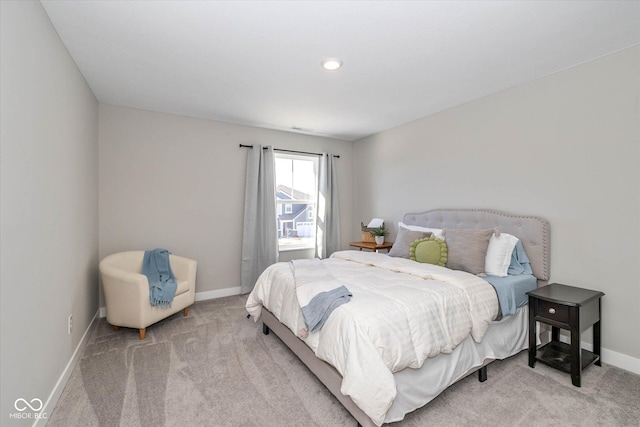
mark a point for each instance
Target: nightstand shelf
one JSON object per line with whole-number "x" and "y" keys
{"x": 558, "y": 355}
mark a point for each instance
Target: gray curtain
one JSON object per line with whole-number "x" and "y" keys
{"x": 260, "y": 230}
{"x": 328, "y": 219}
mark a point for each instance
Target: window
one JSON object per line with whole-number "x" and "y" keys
{"x": 296, "y": 189}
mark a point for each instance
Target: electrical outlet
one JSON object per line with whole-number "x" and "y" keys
{"x": 70, "y": 324}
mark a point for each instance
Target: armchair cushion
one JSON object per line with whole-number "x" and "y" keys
{"x": 183, "y": 286}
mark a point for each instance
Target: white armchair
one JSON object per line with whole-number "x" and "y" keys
{"x": 126, "y": 290}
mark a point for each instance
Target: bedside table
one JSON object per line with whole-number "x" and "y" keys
{"x": 570, "y": 308}
{"x": 372, "y": 246}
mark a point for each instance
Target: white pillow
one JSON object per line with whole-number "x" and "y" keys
{"x": 499, "y": 253}
{"x": 437, "y": 232}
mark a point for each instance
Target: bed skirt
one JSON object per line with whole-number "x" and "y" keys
{"x": 417, "y": 387}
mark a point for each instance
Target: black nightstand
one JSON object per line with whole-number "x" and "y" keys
{"x": 570, "y": 308}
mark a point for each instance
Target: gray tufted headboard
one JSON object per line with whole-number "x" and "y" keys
{"x": 533, "y": 231}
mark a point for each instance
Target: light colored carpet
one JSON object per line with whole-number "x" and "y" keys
{"x": 216, "y": 368}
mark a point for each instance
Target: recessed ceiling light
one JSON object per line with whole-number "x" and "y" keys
{"x": 331, "y": 64}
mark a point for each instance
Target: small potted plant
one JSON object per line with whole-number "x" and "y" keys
{"x": 378, "y": 234}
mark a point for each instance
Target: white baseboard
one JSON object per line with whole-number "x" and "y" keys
{"x": 218, "y": 293}
{"x": 611, "y": 357}
{"x": 200, "y": 296}
{"x": 50, "y": 404}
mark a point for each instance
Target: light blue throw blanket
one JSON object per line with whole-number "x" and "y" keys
{"x": 322, "y": 305}
{"x": 162, "y": 282}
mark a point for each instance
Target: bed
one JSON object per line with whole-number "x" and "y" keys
{"x": 409, "y": 384}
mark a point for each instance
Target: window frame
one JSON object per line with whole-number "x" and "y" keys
{"x": 307, "y": 243}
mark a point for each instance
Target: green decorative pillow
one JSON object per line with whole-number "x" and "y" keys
{"x": 429, "y": 250}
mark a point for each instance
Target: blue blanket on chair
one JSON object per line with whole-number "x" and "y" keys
{"x": 162, "y": 282}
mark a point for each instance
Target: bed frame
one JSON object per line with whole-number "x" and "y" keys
{"x": 533, "y": 231}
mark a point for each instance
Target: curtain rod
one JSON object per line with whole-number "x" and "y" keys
{"x": 290, "y": 151}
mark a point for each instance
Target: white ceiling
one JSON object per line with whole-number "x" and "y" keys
{"x": 258, "y": 62}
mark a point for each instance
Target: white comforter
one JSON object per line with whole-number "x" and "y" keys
{"x": 402, "y": 312}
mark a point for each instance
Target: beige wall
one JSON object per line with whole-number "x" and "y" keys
{"x": 565, "y": 147}
{"x": 178, "y": 182}
{"x": 48, "y": 208}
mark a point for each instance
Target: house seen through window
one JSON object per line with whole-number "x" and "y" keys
{"x": 296, "y": 188}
